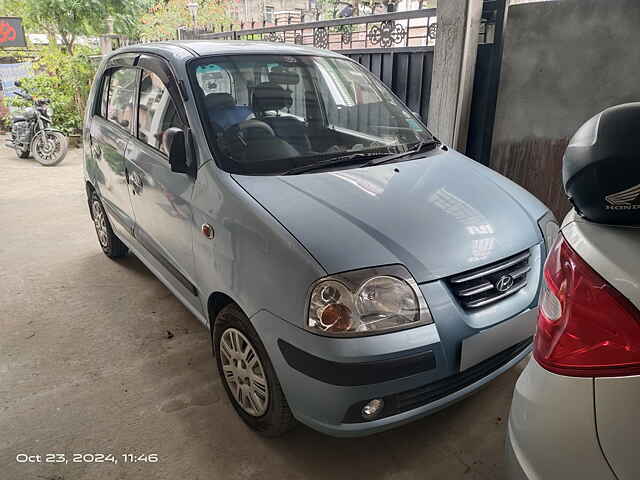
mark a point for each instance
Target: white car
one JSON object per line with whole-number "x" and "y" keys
{"x": 575, "y": 411}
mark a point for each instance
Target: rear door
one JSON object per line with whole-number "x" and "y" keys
{"x": 161, "y": 198}
{"x": 110, "y": 132}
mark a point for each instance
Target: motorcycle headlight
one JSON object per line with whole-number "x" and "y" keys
{"x": 49, "y": 111}
{"x": 549, "y": 228}
{"x": 366, "y": 302}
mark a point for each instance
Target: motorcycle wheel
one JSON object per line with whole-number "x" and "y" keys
{"x": 22, "y": 152}
{"x": 49, "y": 147}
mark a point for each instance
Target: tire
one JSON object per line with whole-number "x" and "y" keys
{"x": 49, "y": 147}
{"x": 273, "y": 417}
{"x": 111, "y": 245}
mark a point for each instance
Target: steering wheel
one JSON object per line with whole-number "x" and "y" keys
{"x": 241, "y": 132}
{"x": 247, "y": 125}
{"x": 238, "y": 136}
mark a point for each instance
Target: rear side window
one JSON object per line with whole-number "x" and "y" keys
{"x": 121, "y": 93}
{"x": 157, "y": 111}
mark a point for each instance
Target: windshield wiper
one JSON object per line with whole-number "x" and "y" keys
{"x": 333, "y": 162}
{"x": 395, "y": 156}
{"x": 374, "y": 158}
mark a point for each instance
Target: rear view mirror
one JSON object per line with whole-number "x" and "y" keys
{"x": 175, "y": 147}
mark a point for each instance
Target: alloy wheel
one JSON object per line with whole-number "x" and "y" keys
{"x": 48, "y": 147}
{"x": 100, "y": 222}
{"x": 243, "y": 372}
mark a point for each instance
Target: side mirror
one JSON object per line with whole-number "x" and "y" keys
{"x": 174, "y": 145}
{"x": 17, "y": 83}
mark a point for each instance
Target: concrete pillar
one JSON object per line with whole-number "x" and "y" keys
{"x": 453, "y": 70}
{"x": 106, "y": 44}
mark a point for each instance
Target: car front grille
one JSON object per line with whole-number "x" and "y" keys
{"x": 486, "y": 285}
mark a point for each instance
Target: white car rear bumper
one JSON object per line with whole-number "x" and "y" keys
{"x": 551, "y": 432}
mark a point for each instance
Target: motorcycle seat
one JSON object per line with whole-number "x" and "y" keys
{"x": 18, "y": 118}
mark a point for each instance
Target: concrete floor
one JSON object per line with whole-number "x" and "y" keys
{"x": 86, "y": 366}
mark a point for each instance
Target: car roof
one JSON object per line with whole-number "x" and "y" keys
{"x": 176, "y": 50}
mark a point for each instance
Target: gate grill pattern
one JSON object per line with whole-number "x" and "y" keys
{"x": 416, "y": 28}
{"x": 407, "y": 71}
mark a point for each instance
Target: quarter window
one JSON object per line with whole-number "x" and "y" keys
{"x": 104, "y": 96}
{"x": 122, "y": 87}
{"x": 157, "y": 111}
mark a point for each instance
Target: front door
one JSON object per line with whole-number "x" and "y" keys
{"x": 161, "y": 198}
{"x": 110, "y": 132}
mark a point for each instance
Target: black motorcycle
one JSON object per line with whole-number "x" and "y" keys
{"x": 31, "y": 133}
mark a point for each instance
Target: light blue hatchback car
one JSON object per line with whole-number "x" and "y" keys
{"x": 355, "y": 273}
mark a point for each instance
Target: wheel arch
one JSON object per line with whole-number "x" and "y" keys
{"x": 215, "y": 303}
{"x": 90, "y": 189}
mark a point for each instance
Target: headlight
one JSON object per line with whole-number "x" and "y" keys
{"x": 366, "y": 302}
{"x": 549, "y": 227}
{"x": 49, "y": 111}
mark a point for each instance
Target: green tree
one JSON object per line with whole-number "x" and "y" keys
{"x": 72, "y": 18}
{"x": 165, "y": 17}
{"x": 65, "y": 80}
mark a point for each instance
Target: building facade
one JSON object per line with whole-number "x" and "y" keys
{"x": 268, "y": 11}
{"x": 280, "y": 11}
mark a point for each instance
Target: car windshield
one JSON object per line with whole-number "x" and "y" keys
{"x": 270, "y": 114}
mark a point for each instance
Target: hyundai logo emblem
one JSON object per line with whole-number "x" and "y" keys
{"x": 504, "y": 283}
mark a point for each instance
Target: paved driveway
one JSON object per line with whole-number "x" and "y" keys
{"x": 87, "y": 365}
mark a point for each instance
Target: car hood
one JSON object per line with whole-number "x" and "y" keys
{"x": 438, "y": 215}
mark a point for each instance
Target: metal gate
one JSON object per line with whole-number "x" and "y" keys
{"x": 486, "y": 82}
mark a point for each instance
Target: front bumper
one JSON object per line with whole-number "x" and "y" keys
{"x": 327, "y": 380}
{"x": 551, "y": 432}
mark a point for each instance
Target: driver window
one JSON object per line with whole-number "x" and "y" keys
{"x": 156, "y": 111}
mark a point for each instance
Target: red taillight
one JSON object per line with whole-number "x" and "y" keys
{"x": 586, "y": 328}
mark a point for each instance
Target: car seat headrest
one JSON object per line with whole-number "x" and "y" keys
{"x": 215, "y": 101}
{"x": 283, "y": 76}
{"x": 270, "y": 96}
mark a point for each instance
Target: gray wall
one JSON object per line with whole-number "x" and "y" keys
{"x": 564, "y": 61}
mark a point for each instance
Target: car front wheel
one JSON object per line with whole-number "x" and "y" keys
{"x": 248, "y": 376}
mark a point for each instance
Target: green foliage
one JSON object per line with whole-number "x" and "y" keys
{"x": 163, "y": 19}
{"x": 64, "y": 79}
{"x": 71, "y": 18}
